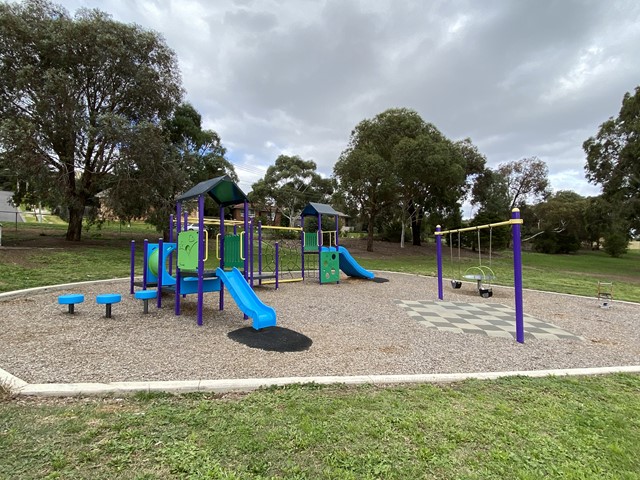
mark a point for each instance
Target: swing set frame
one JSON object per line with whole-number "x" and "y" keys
{"x": 515, "y": 222}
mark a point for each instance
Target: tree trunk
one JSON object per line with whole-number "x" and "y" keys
{"x": 370, "y": 236}
{"x": 416, "y": 226}
{"x": 74, "y": 231}
{"x": 402, "y": 235}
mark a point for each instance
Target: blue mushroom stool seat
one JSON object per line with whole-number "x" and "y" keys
{"x": 71, "y": 299}
{"x": 108, "y": 299}
{"x": 146, "y": 295}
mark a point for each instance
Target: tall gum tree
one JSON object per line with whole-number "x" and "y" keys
{"x": 613, "y": 160}
{"x": 398, "y": 162}
{"x": 71, "y": 89}
{"x": 289, "y": 185}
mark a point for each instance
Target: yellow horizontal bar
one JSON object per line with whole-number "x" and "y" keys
{"x": 215, "y": 221}
{"x": 288, "y": 280}
{"x": 513, "y": 221}
{"x": 270, "y": 227}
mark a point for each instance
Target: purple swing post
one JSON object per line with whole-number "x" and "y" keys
{"x": 517, "y": 273}
{"x": 439, "y": 259}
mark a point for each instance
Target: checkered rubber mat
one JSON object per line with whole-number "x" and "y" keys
{"x": 491, "y": 319}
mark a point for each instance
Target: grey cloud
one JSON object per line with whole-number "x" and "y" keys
{"x": 521, "y": 78}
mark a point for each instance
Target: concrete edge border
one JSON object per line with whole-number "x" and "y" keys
{"x": 12, "y": 382}
{"x": 248, "y": 384}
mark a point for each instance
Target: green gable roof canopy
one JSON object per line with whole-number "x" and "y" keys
{"x": 320, "y": 208}
{"x": 223, "y": 190}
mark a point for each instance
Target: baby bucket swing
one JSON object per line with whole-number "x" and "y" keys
{"x": 455, "y": 283}
{"x": 482, "y": 274}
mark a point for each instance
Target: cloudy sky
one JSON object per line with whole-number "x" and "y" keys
{"x": 520, "y": 78}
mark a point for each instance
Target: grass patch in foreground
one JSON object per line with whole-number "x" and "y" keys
{"x": 518, "y": 428}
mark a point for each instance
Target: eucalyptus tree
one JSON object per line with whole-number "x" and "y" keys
{"x": 396, "y": 162}
{"x": 613, "y": 161}
{"x": 72, "y": 89}
{"x": 289, "y": 185}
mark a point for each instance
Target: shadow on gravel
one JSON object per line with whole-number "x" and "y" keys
{"x": 272, "y": 339}
{"x": 379, "y": 280}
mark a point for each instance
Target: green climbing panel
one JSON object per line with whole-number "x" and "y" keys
{"x": 187, "y": 250}
{"x": 329, "y": 267}
{"x": 233, "y": 252}
{"x": 310, "y": 241}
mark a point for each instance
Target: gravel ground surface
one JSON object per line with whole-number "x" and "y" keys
{"x": 355, "y": 326}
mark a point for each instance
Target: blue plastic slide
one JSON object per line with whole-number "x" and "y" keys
{"x": 248, "y": 302}
{"x": 352, "y": 268}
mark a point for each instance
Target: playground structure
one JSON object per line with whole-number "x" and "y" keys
{"x": 483, "y": 275}
{"x": 331, "y": 256}
{"x": 246, "y": 251}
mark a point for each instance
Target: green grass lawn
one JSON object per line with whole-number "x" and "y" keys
{"x": 515, "y": 428}
{"x": 577, "y": 274}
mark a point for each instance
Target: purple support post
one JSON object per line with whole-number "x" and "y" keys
{"x": 517, "y": 274}
{"x": 171, "y": 240}
{"x": 251, "y": 251}
{"x": 200, "y": 257}
{"x": 133, "y": 264}
{"x": 178, "y": 229}
{"x": 185, "y": 218}
{"x": 159, "y": 270}
{"x": 235, "y": 229}
{"x": 302, "y": 246}
{"x": 246, "y": 239}
{"x": 222, "y": 255}
{"x": 259, "y": 252}
{"x": 320, "y": 239}
{"x": 337, "y": 229}
{"x": 145, "y": 262}
{"x": 439, "y": 260}
{"x": 277, "y": 261}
